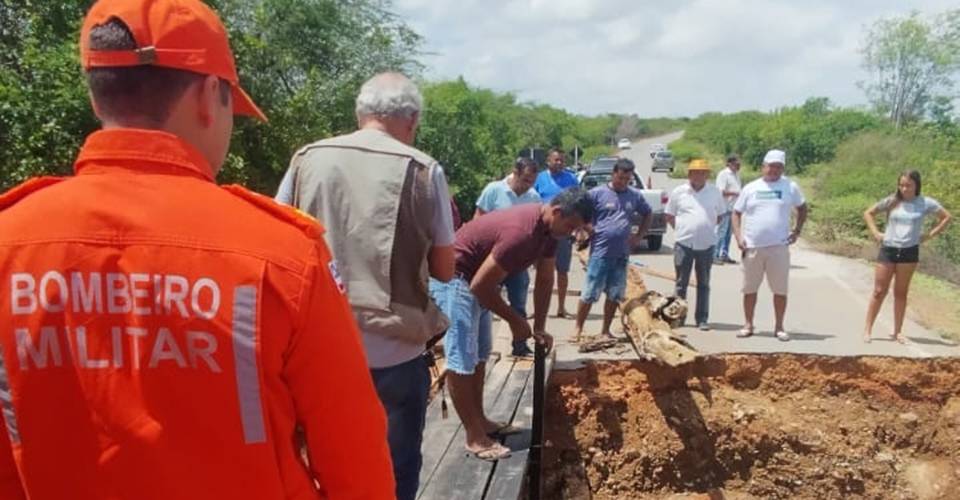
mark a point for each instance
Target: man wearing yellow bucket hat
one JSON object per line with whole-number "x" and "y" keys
{"x": 693, "y": 211}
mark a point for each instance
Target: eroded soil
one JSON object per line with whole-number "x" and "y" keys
{"x": 755, "y": 426}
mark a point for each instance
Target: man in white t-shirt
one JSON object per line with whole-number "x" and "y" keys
{"x": 693, "y": 211}
{"x": 761, "y": 225}
{"x": 728, "y": 182}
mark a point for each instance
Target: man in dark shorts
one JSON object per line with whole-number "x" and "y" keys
{"x": 488, "y": 249}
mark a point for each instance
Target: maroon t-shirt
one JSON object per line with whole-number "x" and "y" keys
{"x": 516, "y": 237}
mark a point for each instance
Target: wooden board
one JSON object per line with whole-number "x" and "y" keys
{"x": 507, "y": 479}
{"x": 440, "y": 434}
{"x": 455, "y": 474}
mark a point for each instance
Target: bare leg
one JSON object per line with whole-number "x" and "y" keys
{"x": 881, "y": 284}
{"x": 462, "y": 392}
{"x": 901, "y": 287}
{"x": 749, "y": 306}
{"x": 583, "y": 310}
{"x": 609, "y": 309}
{"x": 562, "y": 281}
{"x": 779, "y": 310}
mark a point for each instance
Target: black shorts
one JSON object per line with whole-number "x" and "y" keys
{"x": 893, "y": 255}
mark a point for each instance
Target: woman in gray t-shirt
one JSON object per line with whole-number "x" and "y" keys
{"x": 900, "y": 245}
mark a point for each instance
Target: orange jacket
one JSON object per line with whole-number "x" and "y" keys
{"x": 166, "y": 338}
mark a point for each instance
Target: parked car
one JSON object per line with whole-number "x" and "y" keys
{"x": 656, "y": 148}
{"x": 662, "y": 160}
{"x": 624, "y": 143}
{"x": 599, "y": 173}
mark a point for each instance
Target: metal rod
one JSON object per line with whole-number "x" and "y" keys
{"x": 536, "y": 440}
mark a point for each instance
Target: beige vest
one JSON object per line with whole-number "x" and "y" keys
{"x": 373, "y": 195}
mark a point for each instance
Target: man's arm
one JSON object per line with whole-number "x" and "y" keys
{"x": 643, "y": 209}
{"x": 735, "y": 222}
{"x": 486, "y": 288}
{"x": 331, "y": 388}
{"x": 442, "y": 259}
{"x": 801, "y": 220}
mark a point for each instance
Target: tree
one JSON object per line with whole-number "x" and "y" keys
{"x": 911, "y": 60}
{"x": 303, "y": 62}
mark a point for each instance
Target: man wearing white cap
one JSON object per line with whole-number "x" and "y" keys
{"x": 761, "y": 225}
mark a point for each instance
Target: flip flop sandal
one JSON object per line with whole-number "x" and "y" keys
{"x": 491, "y": 453}
{"x": 505, "y": 429}
{"x": 745, "y": 332}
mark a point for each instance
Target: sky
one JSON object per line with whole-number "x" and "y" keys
{"x": 654, "y": 58}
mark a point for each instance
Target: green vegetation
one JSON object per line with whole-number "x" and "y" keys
{"x": 477, "y": 133}
{"x": 809, "y": 133}
{"x": 306, "y": 89}
{"x": 912, "y": 60}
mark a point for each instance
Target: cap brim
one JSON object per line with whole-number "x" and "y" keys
{"x": 244, "y": 105}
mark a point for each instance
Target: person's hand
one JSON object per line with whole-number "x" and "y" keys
{"x": 878, "y": 236}
{"x": 794, "y": 236}
{"x": 544, "y": 338}
{"x": 741, "y": 243}
{"x": 520, "y": 329}
{"x": 925, "y": 238}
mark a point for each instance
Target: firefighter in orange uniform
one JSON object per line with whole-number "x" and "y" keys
{"x": 163, "y": 337}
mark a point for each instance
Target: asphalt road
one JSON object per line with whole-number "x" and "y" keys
{"x": 825, "y": 312}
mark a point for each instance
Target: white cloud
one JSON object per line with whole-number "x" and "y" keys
{"x": 676, "y": 58}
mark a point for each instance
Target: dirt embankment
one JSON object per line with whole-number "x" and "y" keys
{"x": 745, "y": 426}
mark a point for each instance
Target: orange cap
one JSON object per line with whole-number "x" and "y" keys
{"x": 179, "y": 34}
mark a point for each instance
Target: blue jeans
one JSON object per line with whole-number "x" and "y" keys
{"x": 686, "y": 258}
{"x": 469, "y": 338}
{"x": 606, "y": 275}
{"x": 724, "y": 233}
{"x": 517, "y": 286}
{"x": 403, "y": 390}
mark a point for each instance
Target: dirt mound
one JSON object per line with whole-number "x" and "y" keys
{"x": 755, "y": 426}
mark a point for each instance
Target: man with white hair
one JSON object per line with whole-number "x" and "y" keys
{"x": 761, "y": 225}
{"x": 386, "y": 209}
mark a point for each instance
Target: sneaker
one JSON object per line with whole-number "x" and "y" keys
{"x": 521, "y": 349}
{"x": 728, "y": 260}
{"x": 718, "y": 262}
{"x": 783, "y": 336}
{"x": 704, "y": 327}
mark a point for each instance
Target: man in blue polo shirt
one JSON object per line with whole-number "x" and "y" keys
{"x": 616, "y": 207}
{"x": 550, "y": 183}
{"x": 515, "y": 189}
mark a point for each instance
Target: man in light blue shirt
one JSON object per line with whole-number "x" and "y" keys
{"x": 551, "y": 182}
{"x": 515, "y": 189}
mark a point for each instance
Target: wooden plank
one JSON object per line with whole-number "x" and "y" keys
{"x": 441, "y": 435}
{"x": 507, "y": 478}
{"x": 460, "y": 475}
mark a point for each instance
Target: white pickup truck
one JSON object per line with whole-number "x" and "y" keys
{"x": 599, "y": 173}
